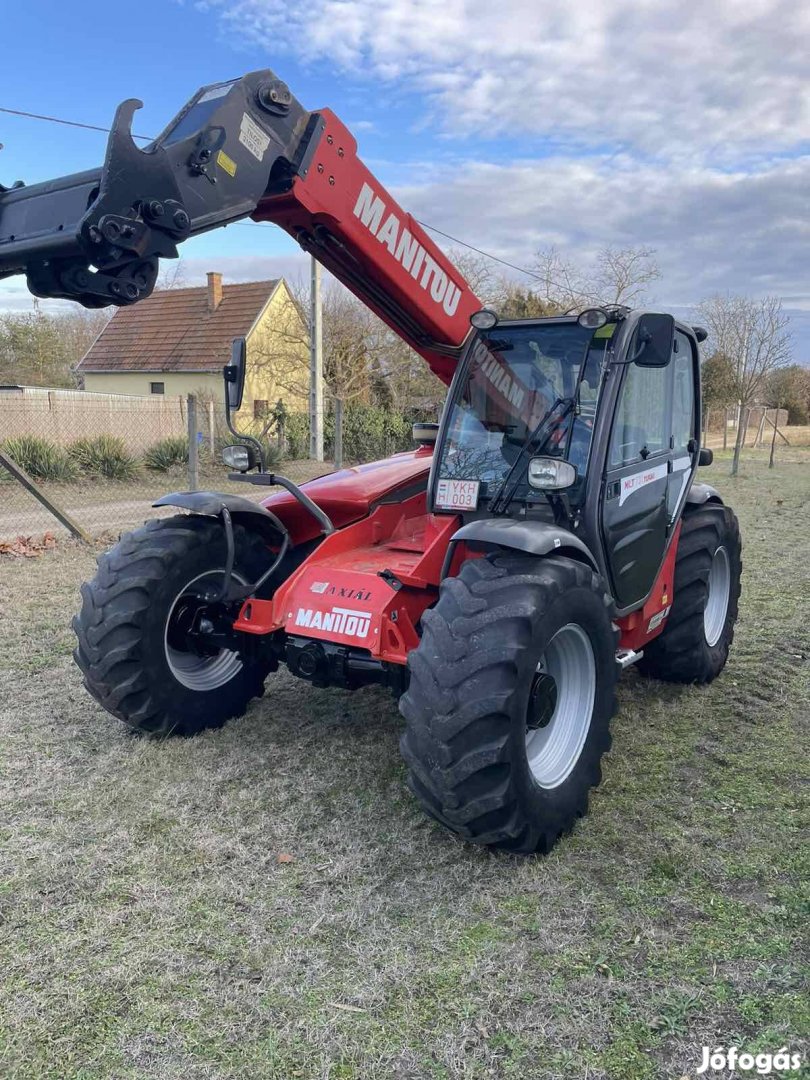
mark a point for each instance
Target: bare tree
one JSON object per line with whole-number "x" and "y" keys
{"x": 754, "y": 335}
{"x": 172, "y": 275}
{"x": 616, "y": 276}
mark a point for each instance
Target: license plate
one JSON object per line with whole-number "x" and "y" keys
{"x": 457, "y": 494}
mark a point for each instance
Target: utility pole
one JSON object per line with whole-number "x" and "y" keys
{"x": 316, "y": 367}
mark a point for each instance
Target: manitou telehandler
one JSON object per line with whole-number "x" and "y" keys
{"x": 546, "y": 534}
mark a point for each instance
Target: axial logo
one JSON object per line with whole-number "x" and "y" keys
{"x": 339, "y": 620}
{"x": 406, "y": 249}
{"x": 323, "y": 587}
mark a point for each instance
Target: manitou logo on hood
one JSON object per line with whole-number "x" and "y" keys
{"x": 406, "y": 249}
{"x": 339, "y": 620}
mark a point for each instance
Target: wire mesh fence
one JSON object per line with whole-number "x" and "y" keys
{"x": 104, "y": 459}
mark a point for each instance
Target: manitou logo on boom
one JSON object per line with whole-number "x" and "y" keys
{"x": 407, "y": 250}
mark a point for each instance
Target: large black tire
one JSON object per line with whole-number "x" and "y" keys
{"x": 683, "y": 652}
{"x": 121, "y": 628}
{"x": 472, "y": 679}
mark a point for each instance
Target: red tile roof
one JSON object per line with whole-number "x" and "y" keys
{"x": 175, "y": 331}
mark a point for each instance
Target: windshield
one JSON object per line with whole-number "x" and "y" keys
{"x": 523, "y": 382}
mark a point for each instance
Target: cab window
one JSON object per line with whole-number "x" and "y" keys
{"x": 683, "y": 393}
{"x": 640, "y": 428}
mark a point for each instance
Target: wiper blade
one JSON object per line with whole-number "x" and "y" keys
{"x": 507, "y": 488}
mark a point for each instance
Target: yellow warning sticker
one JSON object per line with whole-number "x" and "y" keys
{"x": 605, "y": 331}
{"x": 226, "y": 163}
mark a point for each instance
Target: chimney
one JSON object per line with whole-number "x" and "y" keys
{"x": 214, "y": 291}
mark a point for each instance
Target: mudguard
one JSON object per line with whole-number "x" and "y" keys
{"x": 211, "y": 503}
{"x": 703, "y": 493}
{"x": 533, "y": 537}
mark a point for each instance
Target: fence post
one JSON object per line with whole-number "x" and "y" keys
{"x": 212, "y": 441}
{"x": 338, "y": 433}
{"x": 193, "y": 456}
{"x": 61, "y": 515}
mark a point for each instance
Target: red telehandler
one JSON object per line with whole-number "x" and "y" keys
{"x": 545, "y": 535}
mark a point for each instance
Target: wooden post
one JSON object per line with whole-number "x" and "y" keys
{"x": 758, "y": 440}
{"x": 775, "y": 428}
{"x": 725, "y": 428}
{"x": 212, "y": 432}
{"x": 773, "y": 440}
{"x": 193, "y": 455}
{"x": 705, "y": 425}
{"x": 338, "y": 433}
{"x": 61, "y": 515}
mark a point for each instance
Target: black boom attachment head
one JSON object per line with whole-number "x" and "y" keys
{"x": 98, "y": 236}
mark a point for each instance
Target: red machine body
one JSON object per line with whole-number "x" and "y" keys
{"x": 341, "y": 212}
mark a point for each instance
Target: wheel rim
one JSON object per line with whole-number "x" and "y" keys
{"x": 560, "y": 706}
{"x": 714, "y": 614}
{"x": 201, "y": 673}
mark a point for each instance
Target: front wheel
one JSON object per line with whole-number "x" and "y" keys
{"x": 510, "y": 699}
{"x": 694, "y": 645}
{"x": 150, "y": 643}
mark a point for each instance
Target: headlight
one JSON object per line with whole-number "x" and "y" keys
{"x": 483, "y": 319}
{"x": 550, "y": 474}
{"x": 593, "y": 318}
{"x": 239, "y": 457}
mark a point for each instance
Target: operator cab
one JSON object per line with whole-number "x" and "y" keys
{"x": 526, "y": 389}
{"x": 589, "y": 421}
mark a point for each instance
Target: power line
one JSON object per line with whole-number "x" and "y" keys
{"x": 67, "y": 123}
{"x": 479, "y": 251}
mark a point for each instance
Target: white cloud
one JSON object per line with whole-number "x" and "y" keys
{"x": 712, "y": 230}
{"x": 720, "y": 77}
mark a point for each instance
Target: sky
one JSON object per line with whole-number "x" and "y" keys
{"x": 680, "y": 126}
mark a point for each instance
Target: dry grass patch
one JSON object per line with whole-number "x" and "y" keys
{"x": 148, "y": 928}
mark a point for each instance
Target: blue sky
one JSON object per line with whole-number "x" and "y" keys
{"x": 680, "y": 126}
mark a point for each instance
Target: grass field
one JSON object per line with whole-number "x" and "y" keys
{"x": 268, "y": 902}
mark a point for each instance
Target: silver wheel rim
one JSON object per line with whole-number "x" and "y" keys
{"x": 554, "y": 748}
{"x": 201, "y": 673}
{"x": 714, "y": 614}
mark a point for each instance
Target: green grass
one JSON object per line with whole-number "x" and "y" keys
{"x": 147, "y": 928}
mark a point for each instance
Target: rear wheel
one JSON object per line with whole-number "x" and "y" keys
{"x": 150, "y": 642}
{"x": 700, "y": 628}
{"x": 510, "y": 699}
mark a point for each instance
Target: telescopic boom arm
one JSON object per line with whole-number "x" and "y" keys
{"x": 238, "y": 149}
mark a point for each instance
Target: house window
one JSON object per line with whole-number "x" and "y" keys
{"x": 261, "y": 408}
{"x": 157, "y": 388}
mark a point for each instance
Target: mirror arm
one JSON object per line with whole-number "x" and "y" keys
{"x": 245, "y": 438}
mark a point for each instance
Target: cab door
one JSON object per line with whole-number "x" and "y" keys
{"x": 685, "y": 381}
{"x": 635, "y": 510}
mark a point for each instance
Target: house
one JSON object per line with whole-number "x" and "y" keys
{"x": 177, "y": 341}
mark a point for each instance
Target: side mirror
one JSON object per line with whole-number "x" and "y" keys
{"x": 654, "y": 336}
{"x": 234, "y": 374}
{"x": 706, "y": 456}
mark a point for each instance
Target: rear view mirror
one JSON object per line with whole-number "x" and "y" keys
{"x": 234, "y": 374}
{"x": 654, "y": 336}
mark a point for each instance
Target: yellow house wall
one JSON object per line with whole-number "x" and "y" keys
{"x": 278, "y": 357}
